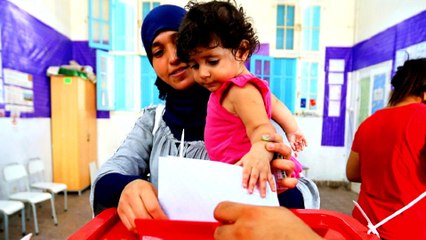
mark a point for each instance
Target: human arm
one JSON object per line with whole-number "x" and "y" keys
{"x": 241, "y": 221}
{"x": 353, "y": 167}
{"x": 282, "y": 115}
{"x": 127, "y": 167}
{"x": 247, "y": 103}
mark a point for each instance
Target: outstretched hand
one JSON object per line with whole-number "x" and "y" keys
{"x": 297, "y": 141}
{"x": 240, "y": 221}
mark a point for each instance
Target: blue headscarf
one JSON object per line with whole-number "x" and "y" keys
{"x": 160, "y": 19}
{"x": 185, "y": 109}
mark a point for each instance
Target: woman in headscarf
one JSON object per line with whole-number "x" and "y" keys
{"x": 128, "y": 180}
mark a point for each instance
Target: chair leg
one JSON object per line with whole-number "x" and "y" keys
{"x": 33, "y": 206}
{"x": 24, "y": 230}
{"x": 52, "y": 204}
{"x": 53, "y": 199}
{"x": 65, "y": 200}
{"x": 6, "y": 226}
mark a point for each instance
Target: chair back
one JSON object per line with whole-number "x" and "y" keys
{"x": 36, "y": 170}
{"x": 14, "y": 172}
{"x": 16, "y": 177}
{"x": 35, "y": 165}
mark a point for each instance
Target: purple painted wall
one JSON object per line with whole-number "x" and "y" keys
{"x": 30, "y": 46}
{"x": 377, "y": 49}
{"x": 333, "y": 128}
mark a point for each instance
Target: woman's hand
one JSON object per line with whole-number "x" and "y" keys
{"x": 249, "y": 222}
{"x": 275, "y": 144}
{"x": 139, "y": 200}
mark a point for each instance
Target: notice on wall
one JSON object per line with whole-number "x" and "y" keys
{"x": 333, "y": 108}
{"x": 378, "y": 100}
{"x": 1, "y": 92}
{"x": 336, "y": 65}
{"x": 335, "y": 78}
{"x": 18, "y": 91}
{"x": 412, "y": 52}
{"x": 335, "y": 91}
{"x": 17, "y": 78}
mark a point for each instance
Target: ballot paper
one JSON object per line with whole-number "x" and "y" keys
{"x": 190, "y": 189}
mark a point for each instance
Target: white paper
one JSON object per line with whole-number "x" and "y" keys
{"x": 335, "y": 92}
{"x": 190, "y": 189}
{"x": 335, "y": 78}
{"x": 333, "y": 108}
{"x": 336, "y": 65}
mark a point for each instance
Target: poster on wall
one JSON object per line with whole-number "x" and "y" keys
{"x": 1, "y": 92}
{"x": 412, "y": 52}
{"x": 18, "y": 91}
{"x": 378, "y": 94}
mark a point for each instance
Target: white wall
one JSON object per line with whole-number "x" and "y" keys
{"x": 55, "y": 13}
{"x": 375, "y": 16}
{"x": 112, "y": 132}
{"x": 29, "y": 137}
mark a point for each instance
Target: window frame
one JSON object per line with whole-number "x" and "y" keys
{"x": 103, "y": 24}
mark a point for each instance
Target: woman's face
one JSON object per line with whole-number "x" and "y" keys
{"x": 166, "y": 64}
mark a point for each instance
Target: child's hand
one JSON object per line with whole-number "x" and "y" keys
{"x": 257, "y": 170}
{"x": 297, "y": 141}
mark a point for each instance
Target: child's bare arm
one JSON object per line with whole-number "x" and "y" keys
{"x": 247, "y": 103}
{"x": 282, "y": 115}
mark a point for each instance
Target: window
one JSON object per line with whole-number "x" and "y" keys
{"x": 309, "y": 86}
{"x": 113, "y": 27}
{"x": 147, "y": 6}
{"x": 283, "y": 84}
{"x": 261, "y": 66}
{"x": 149, "y": 92}
{"x": 311, "y": 28}
{"x": 100, "y": 16}
{"x": 125, "y": 30}
{"x": 285, "y": 27}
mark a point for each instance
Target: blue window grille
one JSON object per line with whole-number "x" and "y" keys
{"x": 147, "y": 6}
{"x": 260, "y": 66}
{"x": 124, "y": 35}
{"x": 283, "y": 81}
{"x": 309, "y": 86}
{"x": 311, "y": 28}
{"x": 100, "y": 18}
{"x": 149, "y": 92}
{"x": 285, "y": 27}
{"x": 104, "y": 81}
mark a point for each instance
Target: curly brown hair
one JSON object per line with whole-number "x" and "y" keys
{"x": 212, "y": 24}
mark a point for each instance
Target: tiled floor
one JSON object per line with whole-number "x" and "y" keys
{"x": 336, "y": 199}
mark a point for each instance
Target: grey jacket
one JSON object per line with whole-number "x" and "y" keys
{"x": 140, "y": 151}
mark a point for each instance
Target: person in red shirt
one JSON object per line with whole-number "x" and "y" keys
{"x": 389, "y": 158}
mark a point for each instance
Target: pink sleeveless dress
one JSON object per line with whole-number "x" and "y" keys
{"x": 225, "y": 135}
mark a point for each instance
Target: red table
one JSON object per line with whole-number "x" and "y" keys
{"x": 328, "y": 224}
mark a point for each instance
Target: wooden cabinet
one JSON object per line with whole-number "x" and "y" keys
{"x": 73, "y": 121}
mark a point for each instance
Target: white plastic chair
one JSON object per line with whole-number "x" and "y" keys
{"x": 36, "y": 171}
{"x": 7, "y": 208}
{"x": 16, "y": 177}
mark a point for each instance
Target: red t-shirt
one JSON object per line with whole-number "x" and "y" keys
{"x": 392, "y": 152}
